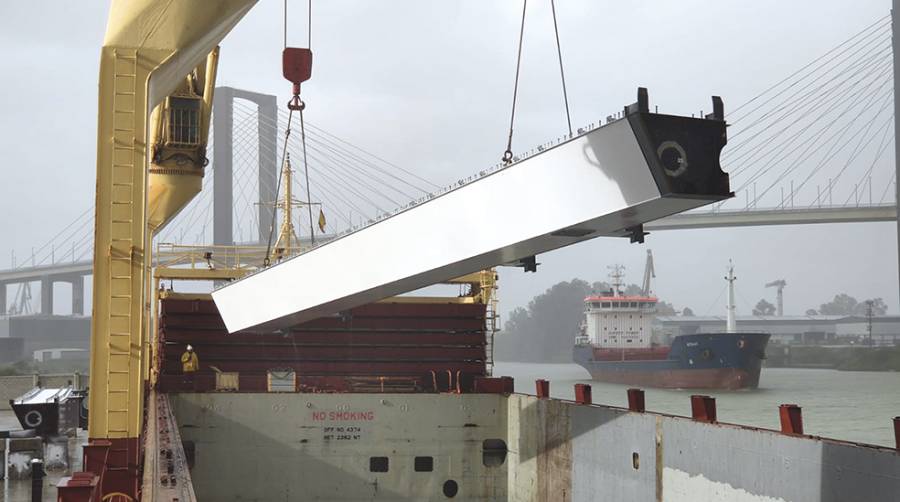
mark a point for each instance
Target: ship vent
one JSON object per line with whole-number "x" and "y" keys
{"x": 378, "y": 464}
{"x": 424, "y": 464}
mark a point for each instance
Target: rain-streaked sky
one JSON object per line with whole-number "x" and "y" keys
{"x": 427, "y": 85}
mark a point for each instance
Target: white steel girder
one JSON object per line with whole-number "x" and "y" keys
{"x": 605, "y": 182}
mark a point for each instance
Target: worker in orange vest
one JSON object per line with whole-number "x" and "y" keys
{"x": 189, "y": 361}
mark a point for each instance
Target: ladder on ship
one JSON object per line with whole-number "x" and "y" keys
{"x": 122, "y": 248}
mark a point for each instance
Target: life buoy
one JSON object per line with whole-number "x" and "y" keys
{"x": 33, "y": 419}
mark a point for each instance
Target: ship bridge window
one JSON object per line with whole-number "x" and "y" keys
{"x": 634, "y": 305}
{"x": 424, "y": 464}
{"x": 493, "y": 452}
{"x": 378, "y": 464}
{"x": 605, "y": 305}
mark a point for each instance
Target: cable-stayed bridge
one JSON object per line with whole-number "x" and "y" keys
{"x": 815, "y": 147}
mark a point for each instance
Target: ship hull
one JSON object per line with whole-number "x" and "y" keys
{"x": 704, "y": 361}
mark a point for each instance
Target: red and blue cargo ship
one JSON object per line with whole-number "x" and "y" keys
{"x": 617, "y": 346}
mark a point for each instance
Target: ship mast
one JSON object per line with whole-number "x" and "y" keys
{"x": 287, "y": 237}
{"x": 617, "y": 272}
{"x": 731, "y": 326}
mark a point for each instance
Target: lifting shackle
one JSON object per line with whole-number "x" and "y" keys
{"x": 296, "y": 66}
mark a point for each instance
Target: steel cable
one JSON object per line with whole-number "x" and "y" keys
{"x": 508, "y": 155}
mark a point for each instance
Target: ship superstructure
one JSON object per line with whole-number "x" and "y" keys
{"x": 614, "y": 321}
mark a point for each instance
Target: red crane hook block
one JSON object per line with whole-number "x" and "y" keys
{"x": 296, "y": 66}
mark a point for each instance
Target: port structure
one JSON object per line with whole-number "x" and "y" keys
{"x": 607, "y": 181}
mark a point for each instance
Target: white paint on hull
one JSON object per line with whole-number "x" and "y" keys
{"x": 681, "y": 486}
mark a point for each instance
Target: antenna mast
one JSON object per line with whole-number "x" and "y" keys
{"x": 731, "y": 326}
{"x": 287, "y": 237}
{"x": 617, "y": 272}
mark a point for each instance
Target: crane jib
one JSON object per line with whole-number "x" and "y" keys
{"x": 606, "y": 181}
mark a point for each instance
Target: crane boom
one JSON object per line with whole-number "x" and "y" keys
{"x": 605, "y": 182}
{"x": 649, "y": 272}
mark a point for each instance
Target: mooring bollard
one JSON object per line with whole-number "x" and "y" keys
{"x": 583, "y": 393}
{"x": 703, "y": 408}
{"x": 636, "y": 400}
{"x": 37, "y": 480}
{"x": 791, "y": 419}
{"x": 543, "y": 388}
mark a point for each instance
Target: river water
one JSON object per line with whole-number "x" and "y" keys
{"x": 848, "y": 405}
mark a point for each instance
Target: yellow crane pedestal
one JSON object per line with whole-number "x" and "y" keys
{"x": 157, "y": 72}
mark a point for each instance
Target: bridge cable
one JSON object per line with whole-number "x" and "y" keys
{"x": 784, "y": 108}
{"x": 309, "y": 203}
{"x": 342, "y": 182}
{"x": 831, "y": 102}
{"x": 888, "y": 186}
{"x": 508, "y": 155}
{"x": 871, "y": 58}
{"x": 562, "y": 75}
{"x": 819, "y": 134}
{"x": 881, "y": 148}
{"x": 881, "y": 21}
{"x": 807, "y": 152}
{"x": 287, "y": 135}
{"x": 811, "y": 101}
{"x": 350, "y": 160}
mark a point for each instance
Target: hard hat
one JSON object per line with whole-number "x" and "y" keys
{"x": 190, "y": 348}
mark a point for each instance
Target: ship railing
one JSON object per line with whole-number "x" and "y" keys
{"x": 216, "y": 256}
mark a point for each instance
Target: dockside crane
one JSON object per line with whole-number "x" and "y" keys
{"x": 649, "y": 272}
{"x": 779, "y": 294}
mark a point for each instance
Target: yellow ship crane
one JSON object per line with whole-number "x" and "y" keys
{"x": 157, "y": 75}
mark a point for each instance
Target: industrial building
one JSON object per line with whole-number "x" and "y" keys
{"x": 25, "y": 334}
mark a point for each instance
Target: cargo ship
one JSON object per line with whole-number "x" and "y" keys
{"x": 617, "y": 345}
{"x": 317, "y": 378}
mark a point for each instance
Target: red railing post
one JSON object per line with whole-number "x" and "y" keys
{"x": 583, "y": 393}
{"x": 897, "y": 432}
{"x": 636, "y": 400}
{"x": 703, "y": 408}
{"x": 543, "y": 388}
{"x": 791, "y": 419}
{"x": 509, "y": 384}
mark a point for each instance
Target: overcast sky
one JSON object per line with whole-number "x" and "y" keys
{"x": 427, "y": 85}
